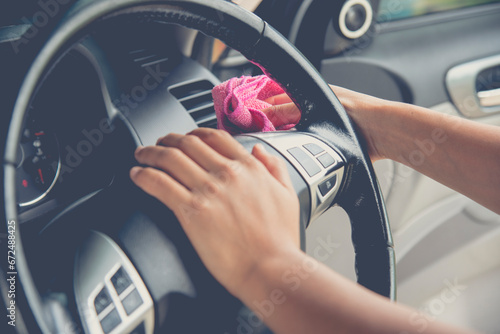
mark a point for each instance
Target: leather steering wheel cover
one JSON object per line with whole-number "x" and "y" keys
{"x": 361, "y": 197}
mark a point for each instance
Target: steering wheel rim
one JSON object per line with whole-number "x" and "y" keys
{"x": 361, "y": 197}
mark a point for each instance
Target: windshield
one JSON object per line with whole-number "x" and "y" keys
{"x": 391, "y": 10}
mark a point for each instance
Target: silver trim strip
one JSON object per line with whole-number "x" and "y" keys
{"x": 297, "y": 21}
{"x": 56, "y": 177}
{"x": 353, "y": 34}
{"x": 489, "y": 98}
{"x": 461, "y": 85}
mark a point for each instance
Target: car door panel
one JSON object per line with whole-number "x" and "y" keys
{"x": 442, "y": 239}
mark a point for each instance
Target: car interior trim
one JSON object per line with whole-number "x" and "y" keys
{"x": 489, "y": 98}
{"x": 440, "y": 17}
{"x": 91, "y": 278}
{"x": 461, "y": 83}
{"x": 353, "y": 34}
{"x": 323, "y": 115}
{"x": 284, "y": 142}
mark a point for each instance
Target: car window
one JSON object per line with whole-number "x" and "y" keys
{"x": 391, "y": 10}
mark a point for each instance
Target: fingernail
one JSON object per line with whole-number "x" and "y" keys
{"x": 134, "y": 171}
{"x": 270, "y": 100}
{"x": 260, "y": 147}
{"x": 138, "y": 149}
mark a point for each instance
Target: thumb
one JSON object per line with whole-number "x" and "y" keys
{"x": 278, "y": 99}
{"x": 283, "y": 114}
{"x": 274, "y": 165}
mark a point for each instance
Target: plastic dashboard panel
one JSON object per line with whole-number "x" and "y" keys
{"x": 417, "y": 56}
{"x": 363, "y": 201}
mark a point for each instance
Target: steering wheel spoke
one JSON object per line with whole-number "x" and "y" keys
{"x": 321, "y": 166}
{"x": 110, "y": 293}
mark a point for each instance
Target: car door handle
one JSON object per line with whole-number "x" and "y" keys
{"x": 461, "y": 83}
{"x": 489, "y": 98}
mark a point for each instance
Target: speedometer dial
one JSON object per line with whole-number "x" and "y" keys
{"x": 38, "y": 165}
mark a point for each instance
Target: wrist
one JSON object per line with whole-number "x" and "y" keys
{"x": 268, "y": 278}
{"x": 382, "y": 122}
{"x": 373, "y": 117}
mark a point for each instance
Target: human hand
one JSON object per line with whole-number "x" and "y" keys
{"x": 238, "y": 209}
{"x": 361, "y": 108}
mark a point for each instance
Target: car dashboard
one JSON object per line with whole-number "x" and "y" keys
{"x": 73, "y": 149}
{"x": 73, "y": 143}
{"x": 66, "y": 149}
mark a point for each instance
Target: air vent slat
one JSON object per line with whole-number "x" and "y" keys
{"x": 140, "y": 59}
{"x": 147, "y": 57}
{"x": 197, "y": 101}
{"x": 196, "y": 98}
{"x": 201, "y": 94}
{"x": 154, "y": 62}
{"x": 202, "y": 112}
{"x": 206, "y": 119}
{"x": 207, "y": 107}
{"x": 192, "y": 88}
{"x": 136, "y": 51}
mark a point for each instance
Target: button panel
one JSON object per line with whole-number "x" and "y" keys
{"x": 139, "y": 329}
{"x": 111, "y": 297}
{"x": 326, "y": 160}
{"x": 309, "y": 165}
{"x": 326, "y": 186}
{"x": 132, "y": 301}
{"x": 121, "y": 281}
{"x": 110, "y": 321}
{"x": 320, "y": 165}
{"x": 102, "y": 300}
{"x": 313, "y": 148}
{"x": 128, "y": 295}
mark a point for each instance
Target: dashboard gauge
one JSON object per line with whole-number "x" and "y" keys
{"x": 38, "y": 165}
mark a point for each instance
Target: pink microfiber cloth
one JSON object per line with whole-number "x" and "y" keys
{"x": 239, "y": 102}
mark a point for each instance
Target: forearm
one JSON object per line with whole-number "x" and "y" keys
{"x": 299, "y": 295}
{"x": 458, "y": 153}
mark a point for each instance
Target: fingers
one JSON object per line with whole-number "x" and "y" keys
{"x": 174, "y": 162}
{"x": 195, "y": 148}
{"x": 274, "y": 165}
{"x": 222, "y": 143}
{"x": 282, "y": 114}
{"x": 279, "y": 99}
{"x": 282, "y": 111}
{"x": 187, "y": 163}
{"x": 190, "y": 162}
{"x": 160, "y": 185}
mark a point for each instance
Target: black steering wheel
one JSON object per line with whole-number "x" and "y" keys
{"x": 135, "y": 270}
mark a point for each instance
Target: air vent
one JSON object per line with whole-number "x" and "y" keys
{"x": 196, "y": 97}
{"x": 142, "y": 62}
{"x": 146, "y": 57}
